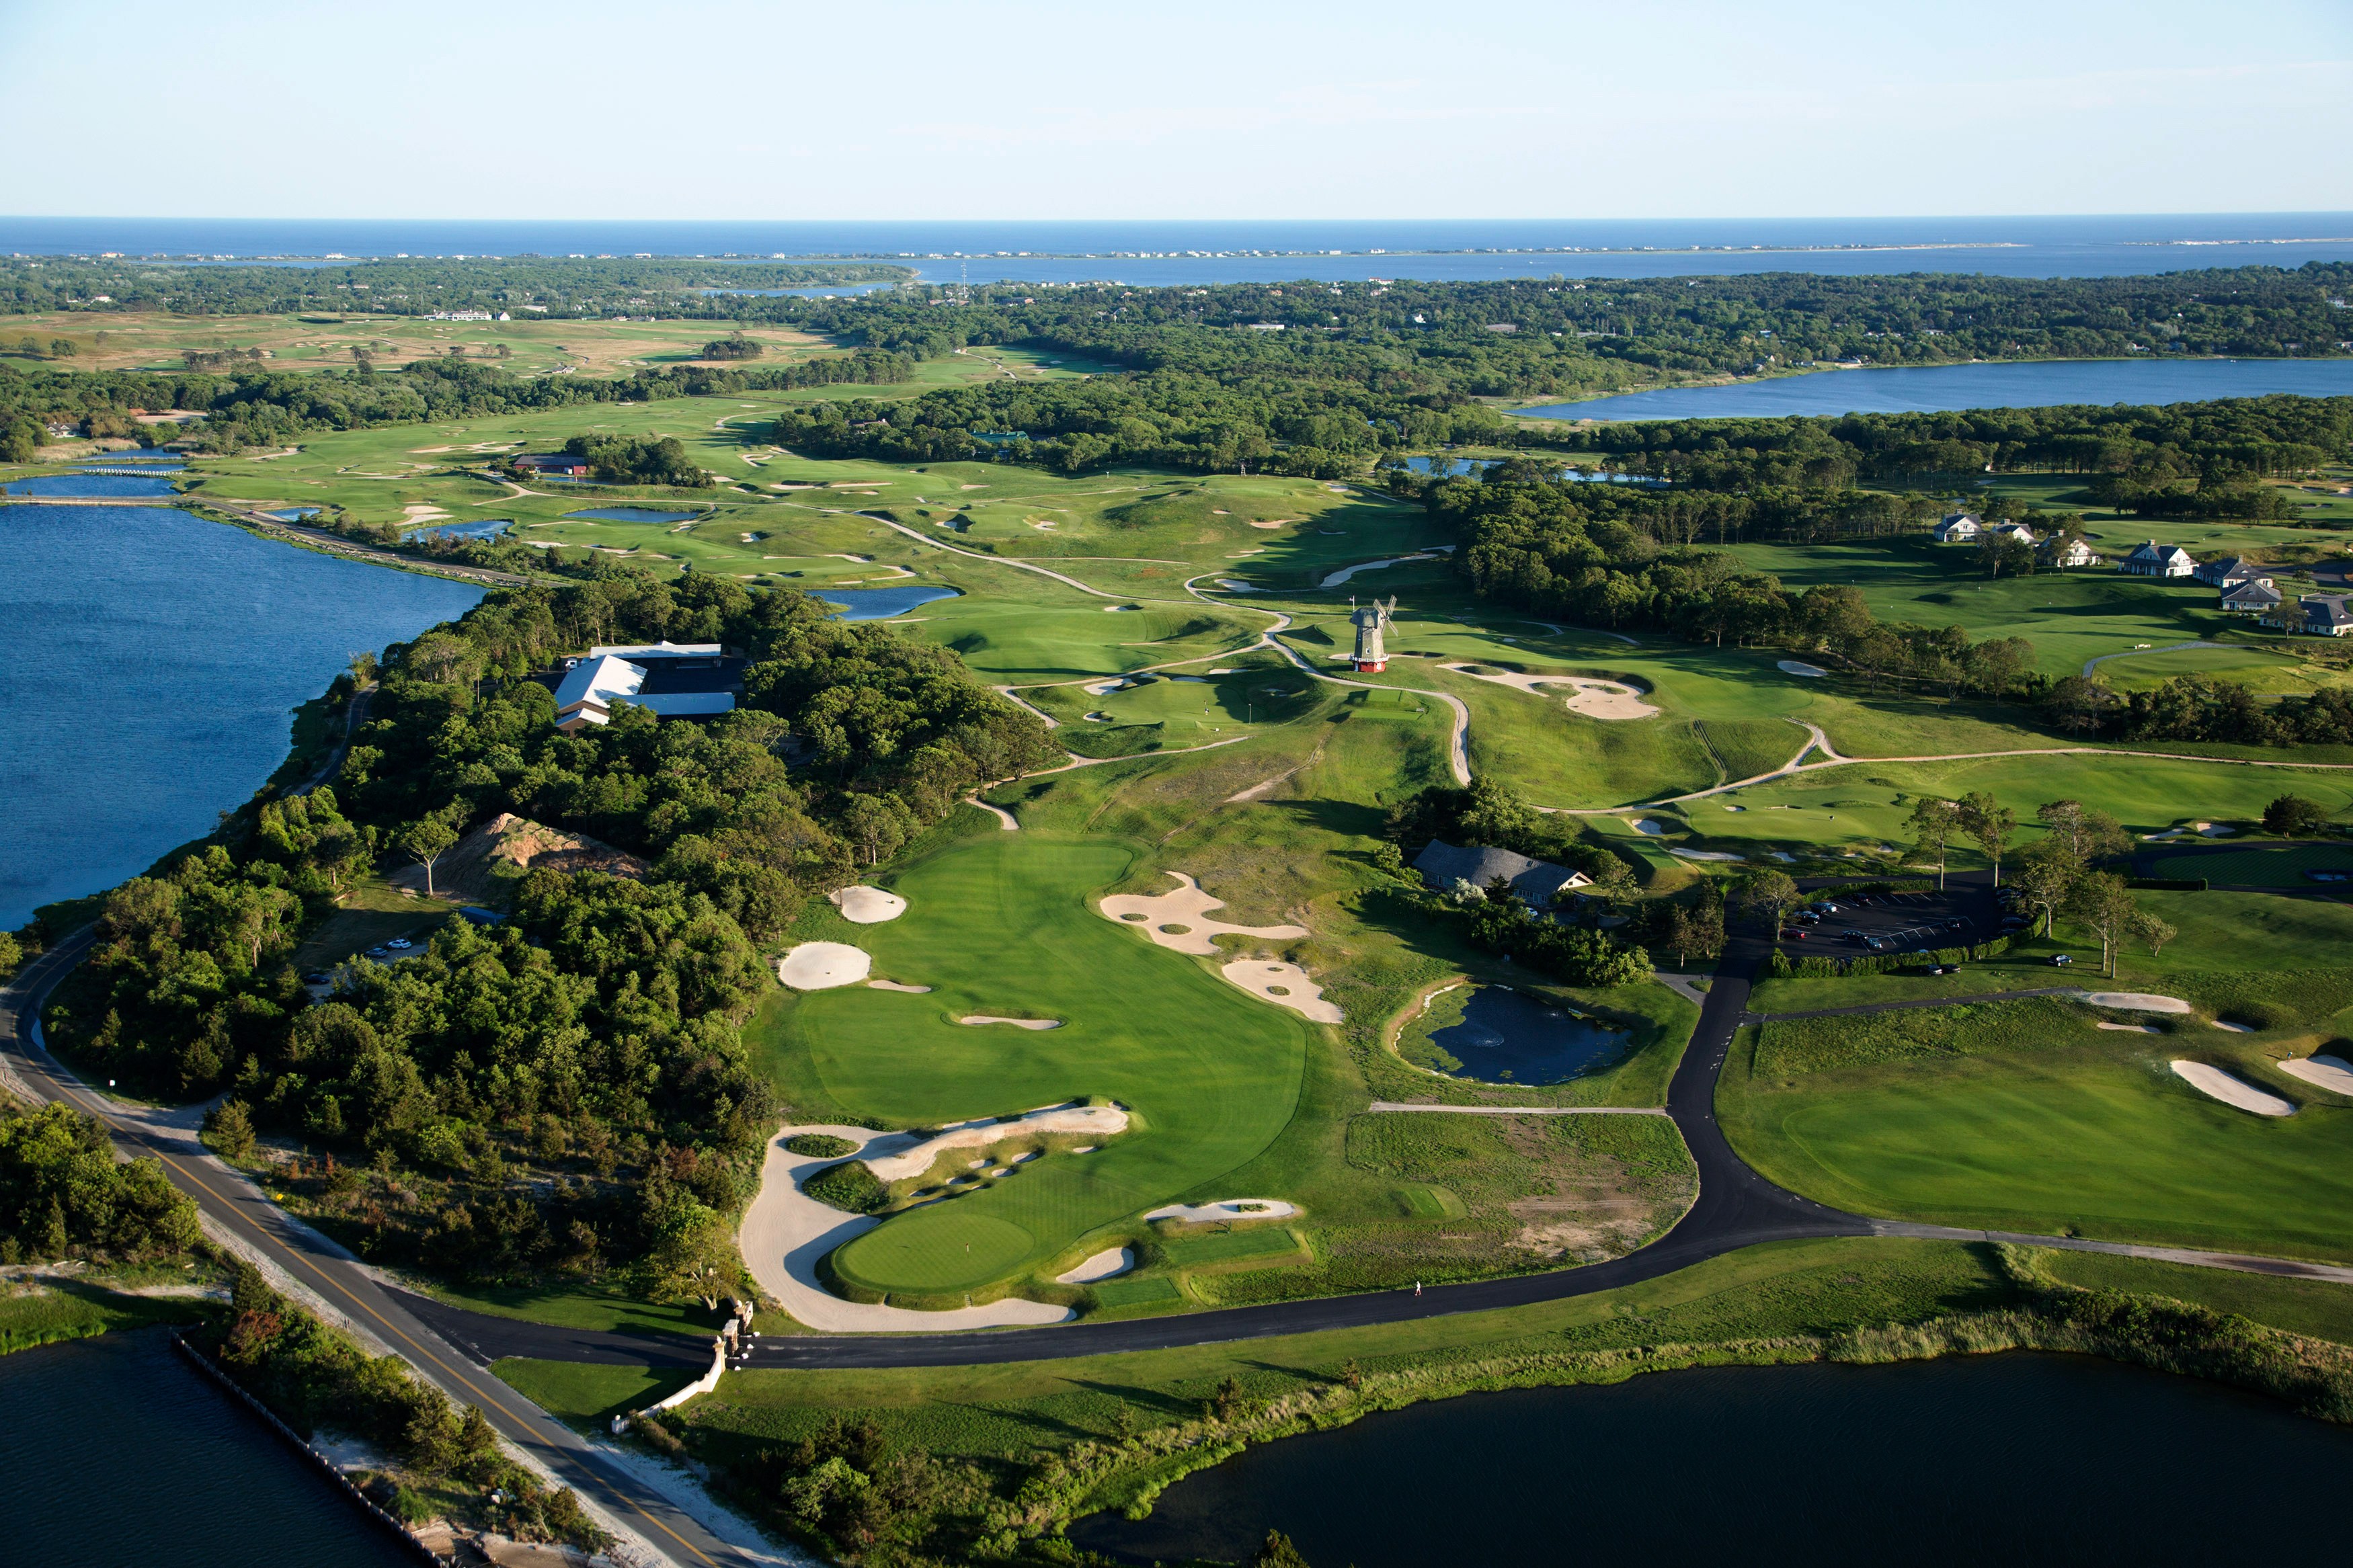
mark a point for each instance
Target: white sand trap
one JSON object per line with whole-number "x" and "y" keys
{"x": 1017, "y": 1022}
{"x": 1706, "y": 855}
{"x": 1102, "y": 1266}
{"x": 2334, "y": 1074}
{"x": 1336, "y": 579}
{"x": 2237, "y": 1092}
{"x": 1231, "y": 586}
{"x": 1285, "y": 985}
{"x": 1811, "y": 671}
{"x": 1185, "y": 908}
{"x": 894, "y": 985}
{"x": 1120, "y": 610}
{"x": 1227, "y": 1209}
{"x": 865, "y": 906}
{"x": 1594, "y": 699}
{"x": 2136, "y": 1002}
{"x": 1099, "y": 717}
{"x": 913, "y": 1159}
{"x": 1645, "y": 826}
{"x": 2234, "y": 1028}
{"x": 822, "y": 965}
{"x": 786, "y": 1233}
{"x": 1103, "y": 687}
{"x": 2127, "y": 1028}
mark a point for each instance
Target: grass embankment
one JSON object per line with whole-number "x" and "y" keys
{"x": 52, "y": 1308}
{"x": 1026, "y": 1447}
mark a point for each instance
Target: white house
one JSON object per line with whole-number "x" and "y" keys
{"x": 1538, "y": 881}
{"x": 2155, "y": 560}
{"x": 1958, "y": 529}
{"x": 2252, "y": 598}
{"x": 2229, "y": 573}
{"x": 2070, "y": 550}
{"x": 2325, "y": 615}
{"x": 2011, "y": 531}
{"x": 694, "y": 687}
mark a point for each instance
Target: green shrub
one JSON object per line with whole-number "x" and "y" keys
{"x": 850, "y": 1186}
{"x": 820, "y": 1145}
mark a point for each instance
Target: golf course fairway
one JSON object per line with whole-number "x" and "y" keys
{"x": 1000, "y": 925}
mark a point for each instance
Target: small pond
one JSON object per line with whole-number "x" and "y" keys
{"x": 1494, "y": 1033}
{"x": 295, "y": 513}
{"x": 628, "y": 514}
{"x": 881, "y": 603}
{"x": 1973, "y": 1460}
{"x": 67, "y": 487}
{"x": 1453, "y": 467}
{"x": 481, "y": 528}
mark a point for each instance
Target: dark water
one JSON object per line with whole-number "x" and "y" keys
{"x": 879, "y": 604}
{"x": 82, "y": 486}
{"x": 116, "y": 1451}
{"x": 1194, "y": 251}
{"x": 296, "y": 513}
{"x": 1999, "y": 1460}
{"x": 1455, "y": 467}
{"x": 1507, "y": 1036}
{"x": 149, "y": 662}
{"x": 628, "y": 514}
{"x": 1933, "y": 388}
{"x": 482, "y": 528}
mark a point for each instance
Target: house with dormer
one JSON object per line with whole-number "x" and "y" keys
{"x": 2155, "y": 560}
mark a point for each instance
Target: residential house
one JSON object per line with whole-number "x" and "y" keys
{"x": 2066, "y": 550}
{"x": 2325, "y": 615}
{"x": 1442, "y": 865}
{"x": 1960, "y": 528}
{"x": 2253, "y": 598}
{"x": 674, "y": 680}
{"x": 2228, "y": 573}
{"x": 2010, "y": 531}
{"x": 549, "y": 463}
{"x": 2155, "y": 560}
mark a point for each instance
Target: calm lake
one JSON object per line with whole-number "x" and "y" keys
{"x": 1509, "y": 1037}
{"x": 1929, "y": 389}
{"x": 113, "y": 486}
{"x": 149, "y": 660}
{"x": 2000, "y": 1460}
{"x": 116, "y": 1450}
{"x": 879, "y": 604}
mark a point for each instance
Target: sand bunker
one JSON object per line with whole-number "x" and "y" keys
{"x": 894, "y": 985}
{"x": 2136, "y": 1002}
{"x": 1017, "y": 1022}
{"x": 1704, "y": 855}
{"x": 2127, "y": 1028}
{"x": 1285, "y": 985}
{"x": 1227, "y": 1209}
{"x": 1099, "y": 1120}
{"x": 1594, "y": 699}
{"x": 2236, "y": 1092}
{"x": 866, "y": 906}
{"x": 822, "y": 965}
{"x": 1102, "y": 1266}
{"x": 2334, "y": 1074}
{"x": 1336, "y": 578}
{"x": 1179, "y": 919}
{"x": 1811, "y": 671}
{"x": 1645, "y": 826}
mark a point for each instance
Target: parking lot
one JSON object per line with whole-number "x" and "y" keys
{"x": 1838, "y": 926}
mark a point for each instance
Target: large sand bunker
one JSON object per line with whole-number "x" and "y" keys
{"x": 2334, "y": 1074}
{"x": 822, "y": 965}
{"x": 2136, "y": 1002}
{"x": 1228, "y": 1209}
{"x": 1797, "y": 667}
{"x": 1102, "y": 1266}
{"x": 1179, "y": 919}
{"x": 1017, "y": 1022}
{"x": 1100, "y": 1120}
{"x": 2237, "y": 1092}
{"x": 1285, "y": 985}
{"x": 865, "y": 906}
{"x": 1594, "y": 699}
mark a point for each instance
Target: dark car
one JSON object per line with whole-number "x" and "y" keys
{"x": 316, "y": 977}
{"x": 1793, "y": 935}
{"x": 2060, "y": 961}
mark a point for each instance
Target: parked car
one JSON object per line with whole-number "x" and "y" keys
{"x": 400, "y": 945}
{"x": 2060, "y": 961}
{"x": 379, "y": 954}
{"x": 1793, "y": 935}
{"x": 316, "y": 977}
{"x": 1946, "y": 969}
{"x": 2013, "y": 922}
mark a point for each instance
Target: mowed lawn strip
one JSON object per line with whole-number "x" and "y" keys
{"x": 1001, "y": 925}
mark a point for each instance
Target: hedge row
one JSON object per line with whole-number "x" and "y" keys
{"x": 1825, "y": 967}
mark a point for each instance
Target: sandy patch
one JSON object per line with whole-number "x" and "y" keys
{"x": 1704, "y": 855}
{"x": 912, "y": 1158}
{"x": 1102, "y": 688}
{"x": 1811, "y": 671}
{"x": 2334, "y": 1074}
{"x": 421, "y": 511}
{"x": 2236, "y": 1092}
{"x": 1017, "y": 1022}
{"x": 865, "y": 906}
{"x": 1594, "y": 699}
{"x": 786, "y": 1233}
{"x": 2127, "y": 1028}
{"x": 1645, "y": 826}
{"x": 822, "y": 965}
{"x": 1232, "y": 586}
{"x": 1337, "y": 578}
{"x": 481, "y": 867}
{"x": 1226, "y": 1209}
{"x": 1185, "y": 910}
{"x": 1277, "y": 523}
{"x": 1102, "y": 1266}
{"x": 1285, "y": 985}
{"x": 894, "y": 985}
{"x": 2136, "y": 1002}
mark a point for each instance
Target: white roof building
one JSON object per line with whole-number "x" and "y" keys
{"x": 664, "y": 649}
{"x": 1958, "y": 529}
{"x": 589, "y": 689}
{"x": 2155, "y": 560}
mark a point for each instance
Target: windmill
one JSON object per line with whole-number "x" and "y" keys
{"x": 1370, "y": 621}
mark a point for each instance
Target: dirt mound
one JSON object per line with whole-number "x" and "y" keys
{"x": 481, "y": 868}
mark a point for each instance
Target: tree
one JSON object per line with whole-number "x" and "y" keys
{"x": 1934, "y": 821}
{"x": 2294, "y": 817}
{"x": 228, "y": 1128}
{"x": 2078, "y": 705}
{"x": 1990, "y": 824}
{"x": 2152, "y": 930}
{"x": 2089, "y": 835}
{"x": 1769, "y": 895}
{"x": 1277, "y": 1552}
{"x": 2104, "y": 902}
{"x": 2047, "y": 876}
{"x": 425, "y": 841}
{"x": 694, "y": 1256}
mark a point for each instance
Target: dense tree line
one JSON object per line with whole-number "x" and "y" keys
{"x": 594, "y": 1036}
{"x": 63, "y": 1194}
{"x": 632, "y": 460}
{"x": 2200, "y": 708}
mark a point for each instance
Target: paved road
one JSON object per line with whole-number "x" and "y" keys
{"x": 233, "y": 1204}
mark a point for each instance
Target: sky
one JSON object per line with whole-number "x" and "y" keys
{"x": 909, "y": 109}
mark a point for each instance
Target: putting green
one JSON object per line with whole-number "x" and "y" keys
{"x": 1001, "y": 925}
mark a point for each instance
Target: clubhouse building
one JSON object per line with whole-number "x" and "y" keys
{"x": 673, "y": 680}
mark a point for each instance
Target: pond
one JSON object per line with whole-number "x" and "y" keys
{"x": 2026, "y": 1459}
{"x": 65, "y": 486}
{"x": 1457, "y": 466}
{"x": 1494, "y": 1033}
{"x": 1935, "y": 388}
{"x": 117, "y": 1450}
{"x": 482, "y": 528}
{"x": 149, "y": 660}
{"x": 628, "y": 514}
{"x": 295, "y": 513}
{"x": 881, "y": 603}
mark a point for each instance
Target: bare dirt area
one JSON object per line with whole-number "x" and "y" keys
{"x": 482, "y": 866}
